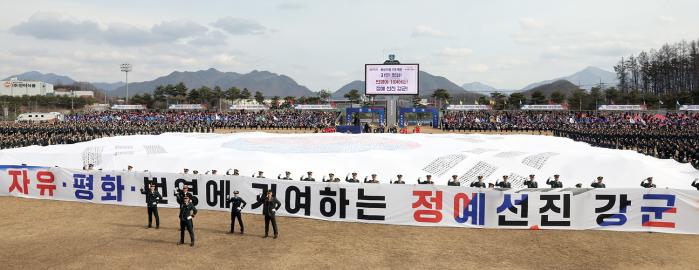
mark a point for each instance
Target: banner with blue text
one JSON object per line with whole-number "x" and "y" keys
{"x": 656, "y": 210}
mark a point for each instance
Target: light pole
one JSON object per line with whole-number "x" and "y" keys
{"x": 126, "y": 68}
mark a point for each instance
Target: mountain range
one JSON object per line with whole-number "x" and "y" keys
{"x": 268, "y": 83}
{"x": 563, "y": 86}
{"x": 41, "y": 77}
{"x": 479, "y": 87}
{"x": 586, "y": 78}
{"x": 108, "y": 86}
{"x": 427, "y": 84}
{"x": 272, "y": 84}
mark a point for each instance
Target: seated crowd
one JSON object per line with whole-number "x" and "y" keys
{"x": 88, "y": 126}
{"x": 669, "y": 135}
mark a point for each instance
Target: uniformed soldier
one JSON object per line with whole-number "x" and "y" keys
{"x": 454, "y": 181}
{"x": 598, "y": 183}
{"x": 399, "y": 181}
{"x": 187, "y": 213}
{"x": 373, "y": 179}
{"x": 428, "y": 180}
{"x": 152, "y": 198}
{"x": 648, "y": 183}
{"x": 503, "y": 183}
{"x": 287, "y": 176}
{"x": 531, "y": 183}
{"x": 270, "y": 205}
{"x": 309, "y": 177}
{"x": 260, "y": 174}
{"x": 479, "y": 183}
{"x": 556, "y": 183}
{"x": 354, "y": 178}
{"x": 237, "y": 205}
{"x": 181, "y": 193}
{"x": 185, "y": 171}
{"x": 331, "y": 178}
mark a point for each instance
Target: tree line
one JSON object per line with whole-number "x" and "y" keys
{"x": 670, "y": 70}
{"x": 577, "y": 99}
{"x": 164, "y": 95}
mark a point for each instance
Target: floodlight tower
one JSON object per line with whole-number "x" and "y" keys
{"x": 126, "y": 68}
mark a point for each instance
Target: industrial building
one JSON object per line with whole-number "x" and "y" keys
{"x": 15, "y": 87}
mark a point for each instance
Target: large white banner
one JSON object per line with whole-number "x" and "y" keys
{"x": 399, "y": 79}
{"x": 187, "y": 107}
{"x": 622, "y": 107}
{"x": 128, "y": 107}
{"x": 551, "y": 107}
{"x": 468, "y": 107}
{"x": 314, "y": 107}
{"x": 657, "y": 210}
{"x": 689, "y": 108}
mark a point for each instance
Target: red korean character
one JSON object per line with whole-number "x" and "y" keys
{"x": 22, "y": 188}
{"x": 433, "y": 203}
{"x": 46, "y": 180}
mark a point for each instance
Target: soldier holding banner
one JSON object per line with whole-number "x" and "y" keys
{"x": 309, "y": 178}
{"x": 428, "y": 181}
{"x": 531, "y": 183}
{"x": 556, "y": 183}
{"x": 454, "y": 181}
{"x": 354, "y": 178}
{"x": 287, "y": 176}
{"x": 598, "y": 183}
{"x": 479, "y": 183}
{"x": 399, "y": 181}
{"x": 373, "y": 179}
{"x": 648, "y": 183}
{"x": 331, "y": 178}
{"x": 503, "y": 183}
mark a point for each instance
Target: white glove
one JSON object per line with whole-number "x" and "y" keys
{"x": 189, "y": 217}
{"x": 274, "y": 210}
{"x": 239, "y": 208}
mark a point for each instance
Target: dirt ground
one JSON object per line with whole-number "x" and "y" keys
{"x": 42, "y": 234}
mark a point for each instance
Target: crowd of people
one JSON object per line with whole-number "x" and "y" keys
{"x": 668, "y": 135}
{"x": 263, "y": 119}
{"x": 88, "y": 126}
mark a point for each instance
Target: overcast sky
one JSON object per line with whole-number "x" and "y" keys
{"x": 323, "y": 44}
